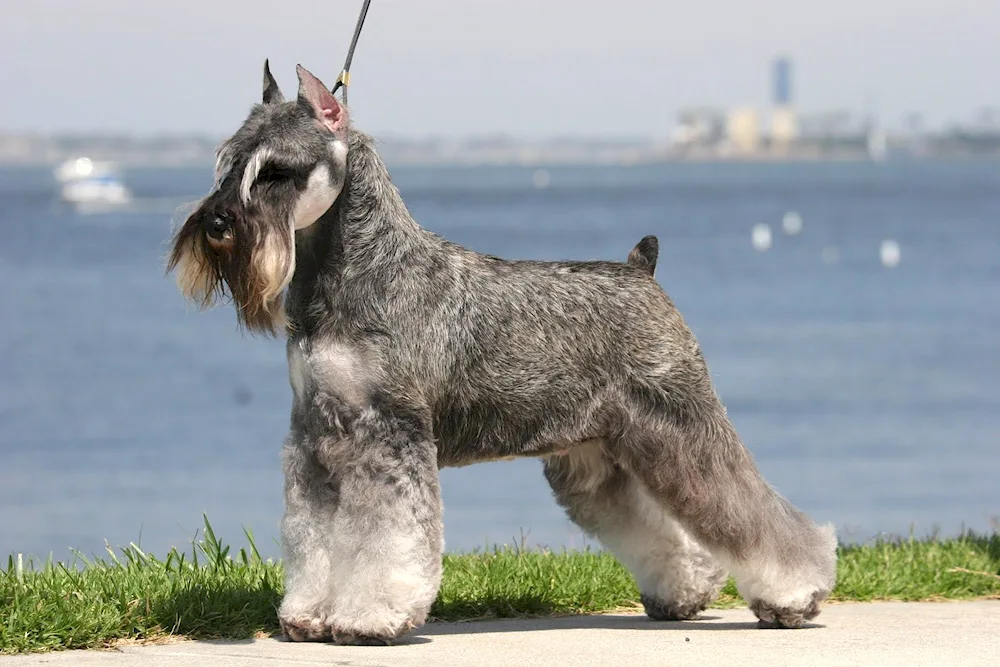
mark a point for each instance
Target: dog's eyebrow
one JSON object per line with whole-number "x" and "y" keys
{"x": 252, "y": 170}
{"x": 223, "y": 163}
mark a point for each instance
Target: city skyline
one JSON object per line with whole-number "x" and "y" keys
{"x": 777, "y": 132}
{"x": 518, "y": 68}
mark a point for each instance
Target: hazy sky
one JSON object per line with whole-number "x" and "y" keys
{"x": 528, "y": 68}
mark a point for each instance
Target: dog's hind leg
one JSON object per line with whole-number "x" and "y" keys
{"x": 693, "y": 462}
{"x": 677, "y": 578}
{"x": 383, "y": 543}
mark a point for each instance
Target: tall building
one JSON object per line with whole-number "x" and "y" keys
{"x": 784, "y": 123}
{"x": 782, "y": 82}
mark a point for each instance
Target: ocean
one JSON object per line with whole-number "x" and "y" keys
{"x": 859, "y": 358}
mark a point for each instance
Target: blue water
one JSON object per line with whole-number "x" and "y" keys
{"x": 869, "y": 395}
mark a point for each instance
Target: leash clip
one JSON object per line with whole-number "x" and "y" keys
{"x": 343, "y": 79}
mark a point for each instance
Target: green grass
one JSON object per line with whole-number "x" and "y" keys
{"x": 211, "y": 592}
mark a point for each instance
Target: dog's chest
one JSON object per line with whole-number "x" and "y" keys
{"x": 333, "y": 369}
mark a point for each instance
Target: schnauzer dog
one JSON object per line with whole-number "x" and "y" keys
{"x": 408, "y": 353}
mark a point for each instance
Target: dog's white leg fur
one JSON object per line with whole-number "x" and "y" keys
{"x": 677, "y": 578}
{"x": 386, "y": 587}
{"x": 366, "y": 567}
{"x": 307, "y": 546}
{"x": 390, "y": 568}
{"x": 783, "y": 563}
{"x": 770, "y": 585}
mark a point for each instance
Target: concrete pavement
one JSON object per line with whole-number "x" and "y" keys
{"x": 951, "y": 634}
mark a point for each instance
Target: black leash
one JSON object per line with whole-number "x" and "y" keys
{"x": 345, "y": 76}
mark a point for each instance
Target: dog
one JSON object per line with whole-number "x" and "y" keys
{"x": 408, "y": 353}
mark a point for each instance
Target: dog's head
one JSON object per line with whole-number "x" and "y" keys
{"x": 280, "y": 172}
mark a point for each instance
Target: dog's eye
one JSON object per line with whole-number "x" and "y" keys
{"x": 273, "y": 173}
{"x": 217, "y": 227}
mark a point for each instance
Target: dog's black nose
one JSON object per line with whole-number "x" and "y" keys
{"x": 216, "y": 227}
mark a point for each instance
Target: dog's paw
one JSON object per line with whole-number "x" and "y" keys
{"x": 386, "y": 635}
{"x": 346, "y": 638}
{"x": 304, "y": 629}
{"x": 370, "y": 629}
{"x": 774, "y": 617}
{"x": 658, "y": 610}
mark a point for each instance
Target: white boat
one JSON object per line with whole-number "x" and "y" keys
{"x": 85, "y": 182}
{"x": 100, "y": 190}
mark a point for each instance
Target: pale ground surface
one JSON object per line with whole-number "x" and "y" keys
{"x": 892, "y": 633}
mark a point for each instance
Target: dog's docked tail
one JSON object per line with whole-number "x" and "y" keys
{"x": 645, "y": 254}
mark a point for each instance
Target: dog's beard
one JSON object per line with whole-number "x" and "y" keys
{"x": 253, "y": 268}
{"x": 273, "y": 267}
{"x": 197, "y": 277}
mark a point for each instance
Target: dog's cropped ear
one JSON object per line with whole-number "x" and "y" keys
{"x": 314, "y": 94}
{"x": 272, "y": 94}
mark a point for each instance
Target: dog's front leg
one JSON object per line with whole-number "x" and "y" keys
{"x": 307, "y": 542}
{"x": 384, "y": 540}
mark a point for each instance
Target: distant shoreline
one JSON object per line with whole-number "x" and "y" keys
{"x": 471, "y": 162}
{"x": 27, "y": 150}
